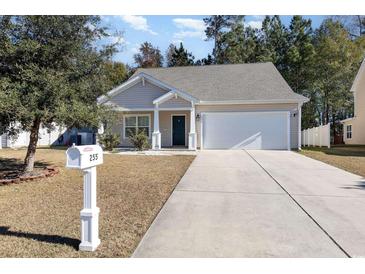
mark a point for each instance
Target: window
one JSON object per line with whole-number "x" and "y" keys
{"x": 136, "y": 123}
{"x": 349, "y": 131}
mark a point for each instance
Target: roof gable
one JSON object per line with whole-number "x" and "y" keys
{"x": 138, "y": 96}
{"x": 360, "y": 73}
{"x": 142, "y": 78}
{"x": 239, "y": 82}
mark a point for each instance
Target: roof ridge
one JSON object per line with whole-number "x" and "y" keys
{"x": 212, "y": 65}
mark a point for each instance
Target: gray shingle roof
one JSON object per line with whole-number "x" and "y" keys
{"x": 258, "y": 81}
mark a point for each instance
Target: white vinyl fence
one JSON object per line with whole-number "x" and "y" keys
{"x": 317, "y": 136}
{"x": 45, "y": 138}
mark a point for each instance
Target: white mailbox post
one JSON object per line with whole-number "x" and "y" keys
{"x": 87, "y": 158}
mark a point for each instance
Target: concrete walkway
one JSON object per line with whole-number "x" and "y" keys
{"x": 259, "y": 204}
{"x": 151, "y": 152}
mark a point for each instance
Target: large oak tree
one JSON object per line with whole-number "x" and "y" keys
{"x": 51, "y": 73}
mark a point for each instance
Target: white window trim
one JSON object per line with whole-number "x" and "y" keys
{"x": 347, "y": 131}
{"x": 137, "y": 115}
{"x": 172, "y": 129}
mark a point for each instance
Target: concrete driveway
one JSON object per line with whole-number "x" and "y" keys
{"x": 260, "y": 204}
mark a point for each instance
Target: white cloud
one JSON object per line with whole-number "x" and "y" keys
{"x": 135, "y": 50}
{"x": 255, "y": 24}
{"x": 189, "y": 23}
{"x": 190, "y": 34}
{"x": 189, "y": 27}
{"x": 117, "y": 39}
{"x": 138, "y": 23}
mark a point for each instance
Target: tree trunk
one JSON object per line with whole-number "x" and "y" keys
{"x": 360, "y": 24}
{"x": 334, "y": 126}
{"x": 32, "y": 147}
{"x": 327, "y": 112}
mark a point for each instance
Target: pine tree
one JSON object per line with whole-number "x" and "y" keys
{"x": 148, "y": 56}
{"x": 216, "y": 26}
{"x": 336, "y": 61}
{"x": 180, "y": 57}
{"x": 240, "y": 44}
{"x": 169, "y": 52}
{"x": 205, "y": 61}
{"x": 298, "y": 69}
{"x": 273, "y": 41}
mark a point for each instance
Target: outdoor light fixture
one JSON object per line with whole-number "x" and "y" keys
{"x": 198, "y": 116}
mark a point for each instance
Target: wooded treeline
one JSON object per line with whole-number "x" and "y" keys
{"x": 318, "y": 63}
{"x": 53, "y": 68}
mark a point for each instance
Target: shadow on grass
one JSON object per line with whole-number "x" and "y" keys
{"x": 13, "y": 168}
{"x": 356, "y": 151}
{"x": 52, "y": 239}
{"x": 13, "y": 164}
{"x": 55, "y": 147}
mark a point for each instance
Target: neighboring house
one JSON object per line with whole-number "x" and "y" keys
{"x": 78, "y": 136}
{"x": 57, "y": 137}
{"x": 354, "y": 128}
{"x": 238, "y": 106}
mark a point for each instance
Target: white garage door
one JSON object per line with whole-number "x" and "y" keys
{"x": 245, "y": 130}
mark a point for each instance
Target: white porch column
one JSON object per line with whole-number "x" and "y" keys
{"x": 156, "y": 135}
{"x": 100, "y": 131}
{"x": 299, "y": 126}
{"x": 192, "y": 133}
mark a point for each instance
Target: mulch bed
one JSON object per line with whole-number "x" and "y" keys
{"x": 17, "y": 176}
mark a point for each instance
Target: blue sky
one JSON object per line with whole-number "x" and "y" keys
{"x": 163, "y": 30}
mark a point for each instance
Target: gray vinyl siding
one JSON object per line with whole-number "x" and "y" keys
{"x": 175, "y": 103}
{"x": 165, "y": 126}
{"x": 138, "y": 96}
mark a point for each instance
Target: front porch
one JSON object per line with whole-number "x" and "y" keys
{"x": 173, "y": 129}
{"x": 178, "y": 125}
{"x": 166, "y": 115}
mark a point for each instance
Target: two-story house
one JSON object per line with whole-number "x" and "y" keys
{"x": 354, "y": 128}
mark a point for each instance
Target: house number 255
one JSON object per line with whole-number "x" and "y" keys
{"x": 93, "y": 157}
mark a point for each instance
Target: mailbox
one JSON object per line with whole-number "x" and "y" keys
{"x": 81, "y": 157}
{"x": 87, "y": 158}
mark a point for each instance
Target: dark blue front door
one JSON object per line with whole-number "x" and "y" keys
{"x": 178, "y": 130}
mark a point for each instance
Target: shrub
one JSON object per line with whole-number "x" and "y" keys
{"x": 109, "y": 140}
{"x": 139, "y": 140}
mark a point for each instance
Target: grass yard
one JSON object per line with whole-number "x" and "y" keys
{"x": 350, "y": 158}
{"x": 41, "y": 218}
